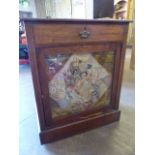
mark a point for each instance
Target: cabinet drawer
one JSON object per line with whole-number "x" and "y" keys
{"x": 77, "y": 33}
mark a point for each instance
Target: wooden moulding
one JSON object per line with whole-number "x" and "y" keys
{"x": 54, "y": 134}
{"x": 62, "y": 33}
{"x": 47, "y": 37}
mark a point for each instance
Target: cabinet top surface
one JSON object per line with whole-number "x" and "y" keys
{"x": 45, "y": 20}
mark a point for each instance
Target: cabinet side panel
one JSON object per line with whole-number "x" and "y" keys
{"x": 115, "y": 103}
{"x": 34, "y": 71}
{"x": 122, "y": 50}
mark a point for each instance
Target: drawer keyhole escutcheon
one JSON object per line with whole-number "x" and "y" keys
{"x": 84, "y": 34}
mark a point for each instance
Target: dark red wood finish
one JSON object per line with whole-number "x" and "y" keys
{"x": 49, "y": 37}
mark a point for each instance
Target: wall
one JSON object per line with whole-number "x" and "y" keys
{"x": 89, "y": 9}
{"x": 82, "y": 9}
{"x": 30, "y": 8}
{"x": 60, "y": 8}
{"x": 68, "y": 8}
{"x": 40, "y": 8}
{"x": 63, "y": 9}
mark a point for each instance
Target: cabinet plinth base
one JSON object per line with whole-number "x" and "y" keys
{"x": 57, "y": 133}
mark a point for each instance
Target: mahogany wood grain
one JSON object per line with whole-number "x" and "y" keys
{"x": 35, "y": 77}
{"x": 73, "y": 21}
{"x": 46, "y": 36}
{"x": 120, "y": 70}
{"x": 64, "y": 33}
{"x": 105, "y": 47}
{"x": 54, "y": 134}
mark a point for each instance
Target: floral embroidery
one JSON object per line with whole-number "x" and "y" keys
{"x": 79, "y": 81}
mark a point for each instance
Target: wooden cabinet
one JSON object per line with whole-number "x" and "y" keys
{"x": 77, "y": 72}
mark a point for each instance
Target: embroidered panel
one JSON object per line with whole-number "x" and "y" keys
{"x": 79, "y": 82}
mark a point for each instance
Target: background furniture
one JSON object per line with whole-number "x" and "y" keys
{"x": 131, "y": 33}
{"x": 23, "y": 50}
{"x": 77, "y": 68}
{"x": 120, "y": 9}
{"x": 103, "y": 8}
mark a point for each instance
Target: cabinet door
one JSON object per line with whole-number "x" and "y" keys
{"x": 77, "y": 81}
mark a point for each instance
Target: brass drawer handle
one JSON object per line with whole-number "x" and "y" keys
{"x": 84, "y": 34}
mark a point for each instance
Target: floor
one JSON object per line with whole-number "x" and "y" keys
{"x": 114, "y": 139}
